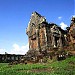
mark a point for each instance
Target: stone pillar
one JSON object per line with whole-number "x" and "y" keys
{"x": 37, "y": 39}
{"x": 53, "y": 41}
{"x": 60, "y": 42}
{"x": 45, "y": 35}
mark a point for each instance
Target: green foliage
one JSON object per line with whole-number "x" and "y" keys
{"x": 65, "y": 67}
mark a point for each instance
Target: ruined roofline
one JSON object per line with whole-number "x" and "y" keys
{"x": 36, "y": 13}
{"x": 52, "y": 24}
{"x": 12, "y": 54}
{"x": 72, "y": 21}
{"x": 73, "y": 18}
{"x": 45, "y": 22}
{"x": 36, "y": 16}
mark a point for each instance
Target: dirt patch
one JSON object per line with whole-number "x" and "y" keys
{"x": 37, "y": 70}
{"x": 41, "y": 70}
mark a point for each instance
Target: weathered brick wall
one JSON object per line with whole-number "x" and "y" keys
{"x": 72, "y": 33}
{"x": 42, "y": 37}
{"x": 33, "y": 31}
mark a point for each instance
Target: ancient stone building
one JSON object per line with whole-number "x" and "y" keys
{"x": 72, "y": 30}
{"x": 71, "y": 35}
{"x": 10, "y": 58}
{"x": 48, "y": 38}
{"x": 44, "y": 36}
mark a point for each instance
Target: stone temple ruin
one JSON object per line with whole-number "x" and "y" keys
{"x": 46, "y": 39}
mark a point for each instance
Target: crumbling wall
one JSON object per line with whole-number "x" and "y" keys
{"x": 72, "y": 34}
{"x": 47, "y": 38}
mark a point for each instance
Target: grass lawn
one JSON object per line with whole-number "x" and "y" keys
{"x": 65, "y": 67}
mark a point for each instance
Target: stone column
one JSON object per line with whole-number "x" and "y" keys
{"x": 60, "y": 42}
{"x": 53, "y": 41}
{"x": 37, "y": 39}
{"x": 45, "y": 36}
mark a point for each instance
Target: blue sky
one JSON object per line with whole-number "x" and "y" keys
{"x": 15, "y": 15}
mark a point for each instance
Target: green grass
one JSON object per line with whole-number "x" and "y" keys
{"x": 65, "y": 67}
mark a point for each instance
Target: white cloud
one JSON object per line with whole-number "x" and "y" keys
{"x": 73, "y": 15}
{"x": 16, "y": 49}
{"x": 63, "y": 25}
{"x": 59, "y": 17}
{"x": 2, "y": 51}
